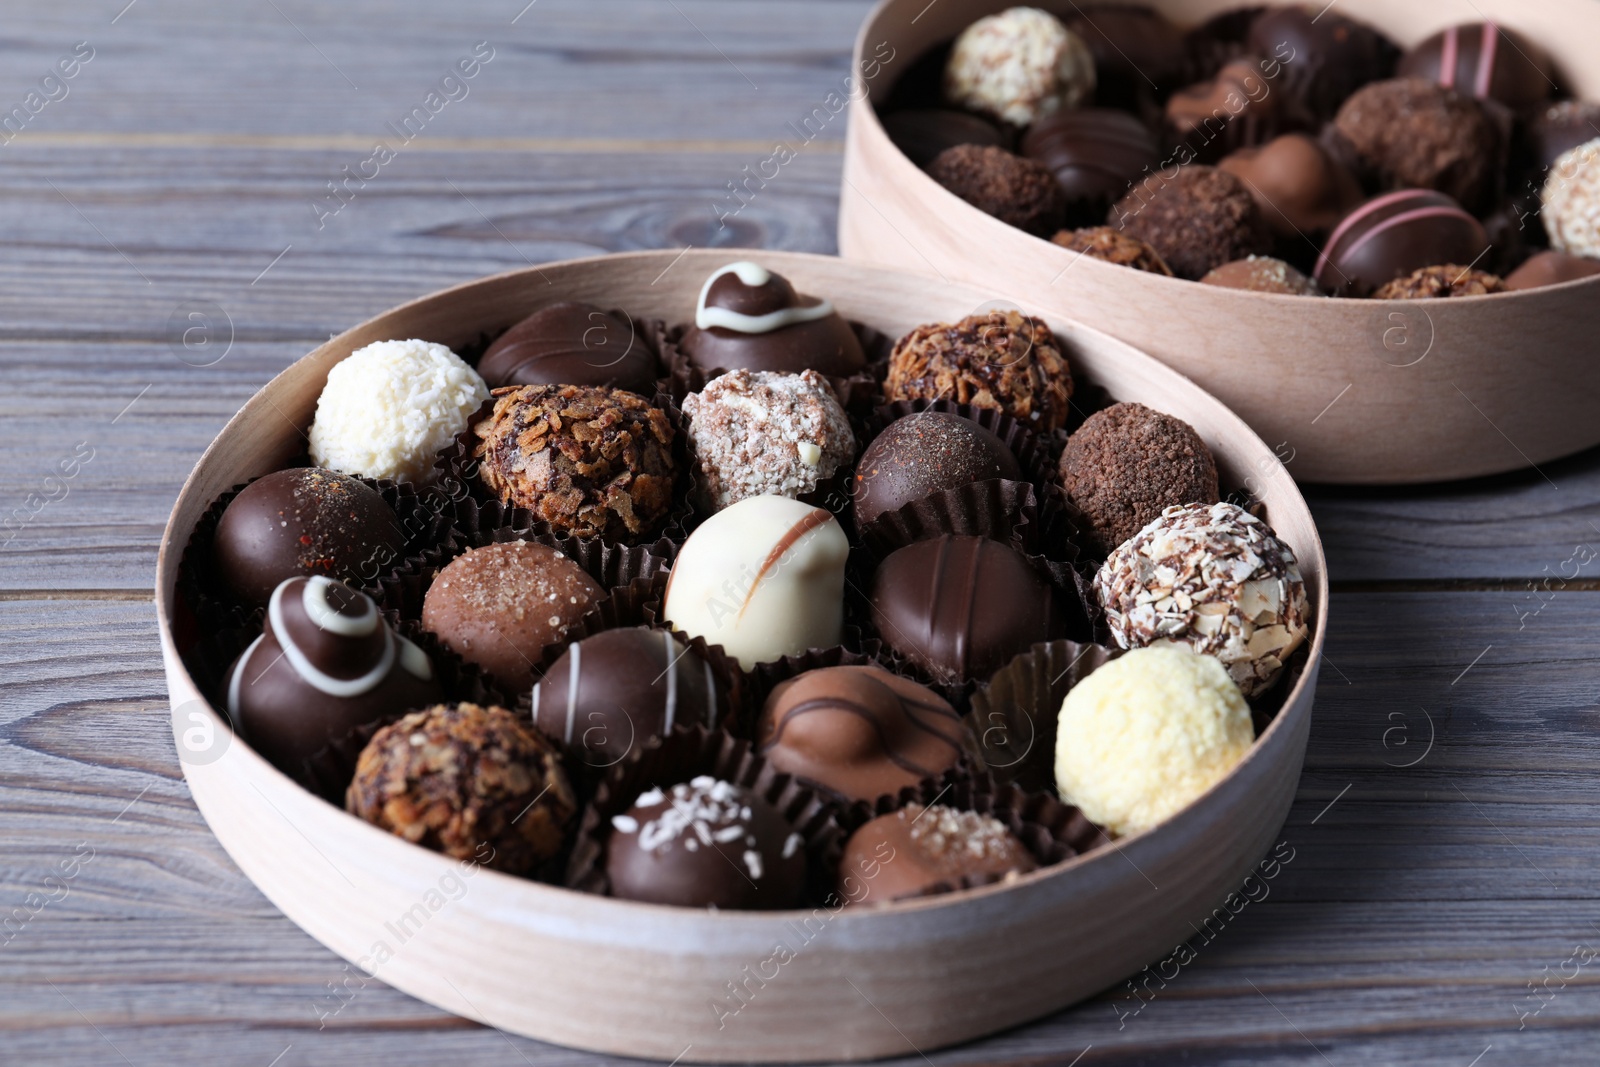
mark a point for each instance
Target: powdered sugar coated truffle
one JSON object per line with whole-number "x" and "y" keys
{"x": 1572, "y": 201}
{"x": 1019, "y": 66}
{"x": 390, "y": 407}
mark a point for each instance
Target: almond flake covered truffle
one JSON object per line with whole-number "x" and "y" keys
{"x": 1214, "y": 578}
{"x": 1019, "y": 66}
{"x": 998, "y": 359}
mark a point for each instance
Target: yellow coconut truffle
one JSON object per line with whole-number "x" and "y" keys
{"x": 1146, "y": 734}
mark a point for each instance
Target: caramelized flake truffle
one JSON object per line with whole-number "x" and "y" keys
{"x": 1262, "y": 274}
{"x": 590, "y": 461}
{"x": 1415, "y": 134}
{"x": 471, "y": 782}
{"x": 998, "y": 359}
{"x": 1197, "y": 220}
{"x": 1128, "y": 464}
{"x": 925, "y": 453}
{"x": 1017, "y": 191}
{"x": 1433, "y": 283}
{"x": 921, "y": 850}
{"x": 1113, "y": 246}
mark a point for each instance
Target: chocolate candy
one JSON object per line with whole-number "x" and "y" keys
{"x": 1236, "y": 109}
{"x": 1095, "y": 155}
{"x": 922, "y": 133}
{"x": 1394, "y": 234}
{"x": 615, "y": 690}
{"x": 1262, "y": 274}
{"x": 1562, "y": 127}
{"x": 572, "y": 343}
{"x": 1000, "y": 359}
{"x": 1113, "y": 246}
{"x": 1302, "y": 190}
{"x": 960, "y": 607}
{"x": 326, "y": 664}
{"x": 1138, "y": 53}
{"x": 1197, "y": 219}
{"x": 750, "y": 318}
{"x": 1325, "y": 56}
{"x": 925, "y": 453}
{"x": 705, "y": 844}
{"x": 1410, "y": 133}
{"x": 1483, "y": 60}
{"x": 859, "y": 731}
{"x": 1019, "y": 192}
{"x": 1552, "y": 268}
{"x": 304, "y": 521}
{"x": 1440, "y": 283}
{"x": 918, "y": 851}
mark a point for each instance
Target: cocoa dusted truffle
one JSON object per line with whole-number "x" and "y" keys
{"x": 1019, "y": 65}
{"x": 1113, "y": 246}
{"x": 1325, "y": 56}
{"x": 748, "y": 318}
{"x": 1262, "y": 274}
{"x": 471, "y": 782}
{"x": 925, "y": 453}
{"x": 1303, "y": 191}
{"x": 1198, "y": 219}
{"x": 1484, "y": 60}
{"x": 1433, "y": 283}
{"x": 1414, "y": 134}
{"x": 933, "y": 848}
{"x": 1127, "y": 464}
{"x": 997, "y": 359}
{"x": 1019, "y": 192}
{"x": 1572, "y": 201}
{"x": 572, "y": 343}
{"x": 589, "y": 460}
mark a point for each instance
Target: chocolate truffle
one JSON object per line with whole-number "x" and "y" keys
{"x": 1483, "y": 60}
{"x": 326, "y": 664}
{"x": 1262, "y": 274}
{"x": 498, "y": 606}
{"x": 589, "y": 460}
{"x": 1551, "y": 268}
{"x": 1094, "y": 154}
{"x": 572, "y": 343}
{"x": 471, "y": 782}
{"x": 1236, "y": 109}
{"x": 759, "y": 433}
{"x": 1019, "y": 192}
{"x": 1412, "y": 133}
{"x": 922, "y": 133}
{"x": 748, "y": 318}
{"x": 1126, "y": 465}
{"x": 1325, "y": 56}
{"x": 1433, "y": 283}
{"x": 960, "y": 607}
{"x": 763, "y": 578}
{"x": 1572, "y": 201}
{"x": 1018, "y": 66}
{"x": 1113, "y": 246}
{"x": 1003, "y": 360}
{"x": 925, "y": 453}
{"x": 1138, "y": 53}
{"x": 1562, "y": 127}
{"x": 1392, "y": 235}
{"x": 1214, "y": 578}
{"x": 304, "y": 521}
{"x": 859, "y": 730}
{"x": 1302, "y": 190}
{"x": 705, "y": 844}
{"x": 917, "y": 851}
{"x": 1197, "y": 219}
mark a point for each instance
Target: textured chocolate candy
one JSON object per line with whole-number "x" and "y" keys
{"x": 1394, "y": 234}
{"x": 1302, "y": 190}
{"x": 1197, "y": 219}
{"x": 1000, "y": 359}
{"x": 859, "y": 730}
{"x": 1562, "y": 127}
{"x": 1236, "y": 109}
{"x": 1441, "y": 283}
{"x": 1410, "y": 133}
{"x": 921, "y": 850}
{"x": 1138, "y": 53}
{"x": 572, "y": 343}
{"x": 1484, "y": 60}
{"x": 1262, "y": 274}
{"x": 1111, "y": 245}
{"x": 749, "y": 318}
{"x": 1095, "y": 155}
{"x": 922, "y": 454}
{"x": 923, "y": 133}
{"x": 1552, "y": 268}
{"x": 1325, "y": 56}
{"x": 1019, "y": 192}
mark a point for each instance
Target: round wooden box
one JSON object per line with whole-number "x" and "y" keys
{"x": 661, "y": 982}
{"x": 1356, "y": 391}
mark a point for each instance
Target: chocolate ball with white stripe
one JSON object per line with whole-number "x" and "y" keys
{"x": 619, "y": 688}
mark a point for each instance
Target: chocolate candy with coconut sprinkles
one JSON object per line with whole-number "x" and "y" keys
{"x": 748, "y": 318}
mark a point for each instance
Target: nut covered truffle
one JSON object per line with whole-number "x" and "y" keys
{"x": 1214, "y": 578}
{"x": 1019, "y": 65}
{"x": 1113, "y": 246}
{"x": 1434, "y": 283}
{"x": 1197, "y": 220}
{"x": 590, "y": 461}
{"x": 1415, "y": 134}
{"x": 997, "y": 359}
{"x": 1017, "y": 191}
{"x": 1572, "y": 201}
{"x": 471, "y": 782}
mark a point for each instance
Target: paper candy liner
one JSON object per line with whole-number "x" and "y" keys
{"x": 680, "y": 756}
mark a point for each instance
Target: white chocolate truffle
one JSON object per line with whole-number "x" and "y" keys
{"x": 1212, "y": 577}
{"x": 1143, "y": 736}
{"x": 390, "y": 407}
{"x": 763, "y": 578}
{"x": 1572, "y": 201}
{"x": 1019, "y": 66}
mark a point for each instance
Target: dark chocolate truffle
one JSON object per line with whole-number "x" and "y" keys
{"x": 1551, "y": 268}
{"x": 1019, "y": 192}
{"x": 748, "y": 318}
{"x": 1138, "y": 53}
{"x": 1236, "y": 109}
{"x": 471, "y": 782}
{"x": 499, "y": 606}
{"x": 859, "y": 730}
{"x": 925, "y": 453}
{"x": 1198, "y": 219}
{"x": 918, "y": 851}
{"x": 998, "y": 359}
{"x": 1303, "y": 191}
{"x": 1562, "y": 127}
{"x": 1095, "y": 155}
{"x": 1262, "y": 274}
{"x": 1113, "y": 246}
{"x": 326, "y": 664}
{"x": 588, "y": 460}
{"x": 305, "y": 521}
{"x": 1435, "y": 283}
{"x": 1325, "y": 56}
{"x": 1127, "y": 464}
{"x": 922, "y": 133}
{"x": 611, "y": 692}
{"x": 1483, "y": 60}
{"x": 705, "y": 844}
{"x": 1414, "y": 134}
{"x": 1392, "y": 235}
{"x": 960, "y": 607}
{"x": 572, "y": 343}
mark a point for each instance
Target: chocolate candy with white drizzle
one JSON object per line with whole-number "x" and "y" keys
{"x": 326, "y": 664}
{"x": 749, "y": 318}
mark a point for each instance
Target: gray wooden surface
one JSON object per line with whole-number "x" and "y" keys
{"x": 1433, "y": 887}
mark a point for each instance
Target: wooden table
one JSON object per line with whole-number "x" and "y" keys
{"x": 1440, "y": 906}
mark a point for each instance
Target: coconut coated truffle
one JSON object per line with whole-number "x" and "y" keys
{"x": 1198, "y": 219}
{"x": 1019, "y": 65}
{"x": 1572, "y": 201}
{"x": 1019, "y": 192}
{"x": 998, "y": 359}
